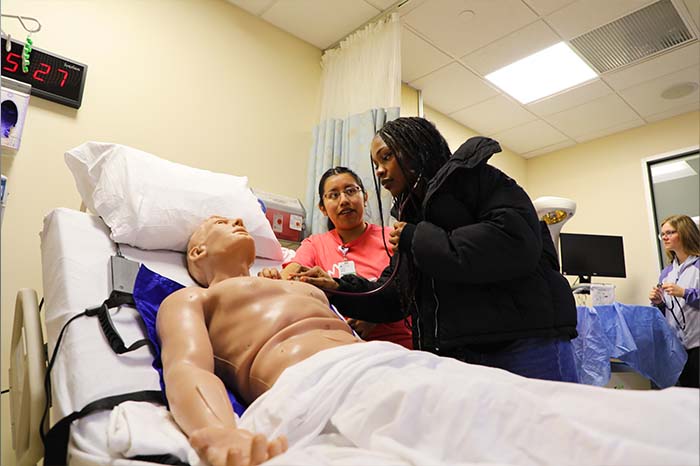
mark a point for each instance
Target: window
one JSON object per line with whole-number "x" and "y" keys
{"x": 674, "y": 188}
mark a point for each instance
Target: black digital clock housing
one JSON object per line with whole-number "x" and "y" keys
{"x": 51, "y": 76}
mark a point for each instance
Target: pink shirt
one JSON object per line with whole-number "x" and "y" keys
{"x": 369, "y": 256}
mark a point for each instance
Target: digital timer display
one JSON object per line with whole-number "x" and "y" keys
{"x": 52, "y": 77}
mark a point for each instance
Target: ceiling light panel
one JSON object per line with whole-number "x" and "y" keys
{"x": 542, "y": 74}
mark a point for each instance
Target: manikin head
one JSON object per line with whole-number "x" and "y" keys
{"x": 220, "y": 248}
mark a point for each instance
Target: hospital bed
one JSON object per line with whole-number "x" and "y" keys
{"x": 158, "y": 213}
{"x": 75, "y": 250}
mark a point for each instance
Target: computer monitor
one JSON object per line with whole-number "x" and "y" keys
{"x": 592, "y": 256}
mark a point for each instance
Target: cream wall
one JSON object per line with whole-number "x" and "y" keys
{"x": 199, "y": 82}
{"x": 455, "y": 134}
{"x": 605, "y": 178}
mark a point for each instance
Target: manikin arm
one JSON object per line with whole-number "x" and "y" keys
{"x": 197, "y": 397}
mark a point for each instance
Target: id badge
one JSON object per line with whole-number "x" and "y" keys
{"x": 346, "y": 268}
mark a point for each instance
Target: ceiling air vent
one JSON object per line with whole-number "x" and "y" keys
{"x": 652, "y": 29}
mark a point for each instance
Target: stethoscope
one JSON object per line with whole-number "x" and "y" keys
{"x": 672, "y": 307}
{"x": 397, "y": 264}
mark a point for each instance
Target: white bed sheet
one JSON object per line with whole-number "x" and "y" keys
{"x": 76, "y": 248}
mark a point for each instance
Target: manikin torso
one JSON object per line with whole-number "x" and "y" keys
{"x": 258, "y": 327}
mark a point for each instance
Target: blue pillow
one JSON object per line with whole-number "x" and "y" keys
{"x": 150, "y": 289}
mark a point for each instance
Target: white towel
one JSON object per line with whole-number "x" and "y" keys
{"x": 139, "y": 428}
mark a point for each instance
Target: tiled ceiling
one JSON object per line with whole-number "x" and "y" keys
{"x": 448, "y": 46}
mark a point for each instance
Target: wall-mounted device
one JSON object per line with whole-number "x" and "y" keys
{"x": 51, "y": 76}
{"x": 286, "y": 215}
{"x": 555, "y": 212}
{"x": 15, "y": 104}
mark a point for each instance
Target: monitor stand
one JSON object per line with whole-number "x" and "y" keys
{"x": 584, "y": 285}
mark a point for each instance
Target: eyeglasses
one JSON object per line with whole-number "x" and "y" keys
{"x": 350, "y": 191}
{"x": 664, "y": 234}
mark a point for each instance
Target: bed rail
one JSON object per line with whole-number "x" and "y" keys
{"x": 27, "y": 370}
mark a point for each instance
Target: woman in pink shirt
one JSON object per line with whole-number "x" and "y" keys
{"x": 350, "y": 246}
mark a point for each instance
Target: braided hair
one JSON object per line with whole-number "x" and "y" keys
{"x": 420, "y": 152}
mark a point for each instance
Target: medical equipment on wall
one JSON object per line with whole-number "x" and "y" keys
{"x": 51, "y": 76}
{"x": 286, "y": 215}
{"x": 555, "y": 212}
{"x": 15, "y": 104}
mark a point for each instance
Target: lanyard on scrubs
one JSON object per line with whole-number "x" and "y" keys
{"x": 346, "y": 267}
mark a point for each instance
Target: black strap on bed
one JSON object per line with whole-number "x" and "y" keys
{"x": 165, "y": 458}
{"x": 56, "y": 440}
{"x": 102, "y": 312}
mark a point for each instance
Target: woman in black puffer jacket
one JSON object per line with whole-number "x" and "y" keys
{"x": 478, "y": 271}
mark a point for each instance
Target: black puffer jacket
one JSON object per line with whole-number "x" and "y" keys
{"x": 486, "y": 268}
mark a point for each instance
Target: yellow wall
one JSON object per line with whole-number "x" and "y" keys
{"x": 199, "y": 82}
{"x": 455, "y": 134}
{"x": 605, "y": 178}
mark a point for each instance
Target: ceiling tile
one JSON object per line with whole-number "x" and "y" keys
{"x": 548, "y": 149}
{"x": 646, "y": 97}
{"x": 329, "y": 21}
{"x": 661, "y": 65}
{"x": 529, "y": 137}
{"x": 691, "y": 107}
{"x": 452, "y": 88}
{"x": 693, "y": 7}
{"x": 493, "y": 115}
{"x": 610, "y": 130}
{"x": 545, "y": 7}
{"x": 521, "y": 43}
{"x": 418, "y": 57}
{"x": 570, "y": 98}
{"x": 381, "y": 4}
{"x": 459, "y": 26}
{"x": 595, "y": 115}
{"x": 255, "y": 7}
{"x": 585, "y": 15}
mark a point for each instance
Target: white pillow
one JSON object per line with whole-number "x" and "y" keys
{"x": 152, "y": 203}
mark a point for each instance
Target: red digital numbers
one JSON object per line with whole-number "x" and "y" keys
{"x": 65, "y": 76}
{"x": 38, "y": 74}
{"x": 14, "y": 60}
{"x": 14, "y": 64}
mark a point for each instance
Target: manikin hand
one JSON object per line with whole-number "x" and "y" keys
{"x": 395, "y": 235}
{"x": 270, "y": 272}
{"x": 673, "y": 290}
{"x": 230, "y": 446}
{"x": 315, "y": 276}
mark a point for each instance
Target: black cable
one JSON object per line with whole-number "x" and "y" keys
{"x": 7, "y": 390}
